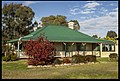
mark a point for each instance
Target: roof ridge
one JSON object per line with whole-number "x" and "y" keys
{"x": 79, "y": 32}
{"x": 84, "y": 34}
{"x": 39, "y": 30}
{"x": 54, "y": 25}
{"x": 72, "y": 30}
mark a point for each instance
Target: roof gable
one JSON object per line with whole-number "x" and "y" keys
{"x": 57, "y": 33}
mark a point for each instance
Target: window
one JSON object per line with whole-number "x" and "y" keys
{"x": 80, "y": 47}
{"x": 108, "y": 47}
{"x": 67, "y": 47}
{"x": 96, "y": 47}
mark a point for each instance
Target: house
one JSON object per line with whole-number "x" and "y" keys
{"x": 68, "y": 42}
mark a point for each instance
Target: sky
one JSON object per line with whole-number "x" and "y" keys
{"x": 94, "y": 17}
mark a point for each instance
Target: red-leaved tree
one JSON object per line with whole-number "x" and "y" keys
{"x": 40, "y": 51}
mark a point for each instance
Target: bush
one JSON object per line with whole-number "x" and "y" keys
{"x": 33, "y": 62}
{"x": 57, "y": 61}
{"x": 113, "y": 56}
{"x": 50, "y": 61}
{"x": 76, "y": 58}
{"x": 10, "y": 57}
{"x": 90, "y": 58}
{"x": 94, "y": 58}
{"x": 6, "y": 58}
{"x": 14, "y": 57}
{"x": 66, "y": 60}
{"x": 41, "y": 49}
{"x": 83, "y": 59}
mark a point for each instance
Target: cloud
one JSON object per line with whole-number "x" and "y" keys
{"x": 101, "y": 25}
{"x": 116, "y": 9}
{"x": 90, "y": 1}
{"x": 82, "y": 17}
{"x": 86, "y": 9}
{"x": 89, "y": 9}
{"x": 75, "y": 11}
{"x": 76, "y": 6}
{"x": 113, "y": 4}
{"x": 27, "y": 3}
{"x": 111, "y": 21}
{"x": 103, "y": 11}
{"x": 86, "y": 12}
{"x": 90, "y": 5}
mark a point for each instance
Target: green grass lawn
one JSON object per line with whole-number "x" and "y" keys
{"x": 103, "y": 70}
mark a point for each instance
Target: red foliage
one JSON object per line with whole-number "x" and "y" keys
{"x": 39, "y": 51}
{"x": 33, "y": 62}
{"x": 66, "y": 60}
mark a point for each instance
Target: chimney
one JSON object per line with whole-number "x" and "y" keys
{"x": 35, "y": 28}
{"x": 71, "y": 25}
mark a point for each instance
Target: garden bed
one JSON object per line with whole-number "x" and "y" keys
{"x": 57, "y": 65}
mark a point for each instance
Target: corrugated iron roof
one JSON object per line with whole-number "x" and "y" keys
{"x": 57, "y": 33}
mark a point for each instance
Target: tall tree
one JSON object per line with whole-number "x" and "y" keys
{"x": 35, "y": 24}
{"x": 56, "y": 20}
{"x": 95, "y": 36}
{"x": 16, "y": 20}
{"x": 111, "y": 34}
{"x": 76, "y": 24}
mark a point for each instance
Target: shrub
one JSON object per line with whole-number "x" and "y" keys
{"x": 8, "y": 54}
{"x": 76, "y": 58}
{"x": 94, "y": 58}
{"x": 14, "y": 57}
{"x": 41, "y": 50}
{"x": 50, "y": 61}
{"x": 10, "y": 57}
{"x": 57, "y": 61}
{"x": 90, "y": 58}
{"x": 113, "y": 56}
{"x": 6, "y": 58}
{"x": 66, "y": 60}
{"x": 83, "y": 59}
{"x": 33, "y": 62}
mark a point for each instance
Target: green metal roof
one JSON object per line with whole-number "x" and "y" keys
{"x": 55, "y": 33}
{"x": 13, "y": 40}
